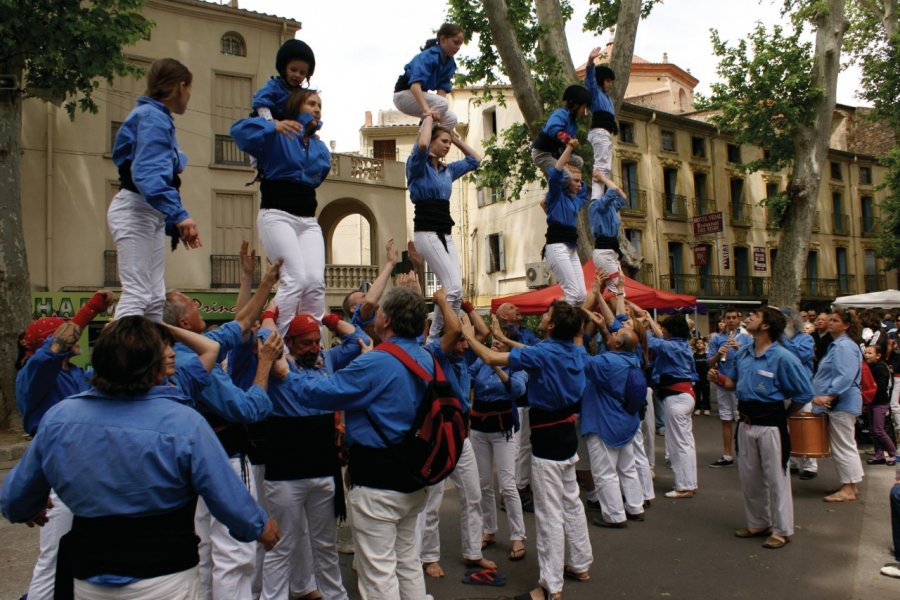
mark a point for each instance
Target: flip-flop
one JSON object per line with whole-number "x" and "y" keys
{"x": 575, "y": 576}
{"x": 486, "y": 543}
{"x": 489, "y": 577}
{"x": 747, "y": 533}
{"x": 838, "y": 497}
{"x": 516, "y": 554}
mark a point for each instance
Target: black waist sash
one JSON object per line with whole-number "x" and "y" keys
{"x": 561, "y": 234}
{"x": 127, "y": 182}
{"x": 139, "y": 546}
{"x": 256, "y": 443}
{"x": 492, "y": 417}
{"x": 402, "y": 83}
{"x": 380, "y": 468}
{"x": 292, "y": 197}
{"x": 553, "y": 434}
{"x": 604, "y": 120}
{"x": 607, "y": 243}
{"x": 433, "y": 215}
{"x": 548, "y": 143}
{"x": 300, "y": 447}
{"x": 767, "y": 414}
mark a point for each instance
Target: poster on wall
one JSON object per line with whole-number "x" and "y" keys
{"x": 759, "y": 259}
{"x": 726, "y": 258}
{"x": 701, "y": 256}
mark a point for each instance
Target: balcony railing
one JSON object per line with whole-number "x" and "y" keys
{"x": 674, "y": 206}
{"x": 348, "y": 277}
{"x": 636, "y": 205}
{"x": 111, "y": 269}
{"x": 840, "y": 224}
{"x": 227, "y": 152}
{"x": 875, "y": 283}
{"x": 717, "y": 286}
{"x": 868, "y": 227}
{"x": 741, "y": 214}
{"x": 225, "y": 271}
{"x": 646, "y": 275}
{"x": 828, "y": 289}
{"x": 705, "y": 206}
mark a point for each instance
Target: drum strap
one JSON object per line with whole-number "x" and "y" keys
{"x": 767, "y": 414}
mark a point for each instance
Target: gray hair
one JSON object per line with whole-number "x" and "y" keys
{"x": 406, "y": 310}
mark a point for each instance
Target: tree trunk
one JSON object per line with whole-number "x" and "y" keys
{"x": 14, "y": 287}
{"x": 514, "y": 63}
{"x": 549, "y": 16}
{"x": 811, "y": 148}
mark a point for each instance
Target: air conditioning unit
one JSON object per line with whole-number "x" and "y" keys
{"x": 537, "y": 275}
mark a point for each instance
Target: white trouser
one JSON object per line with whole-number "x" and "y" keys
{"x": 680, "y": 440}
{"x": 648, "y": 429}
{"x": 601, "y": 141}
{"x": 523, "y": 450}
{"x": 563, "y": 261}
{"x": 139, "y": 232}
{"x": 615, "y": 476}
{"x": 298, "y": 241}
{"x": 471, "y": 522}
{"x": 316, "y": 496}
{"x": 842, "y": 431}
{"x": 642, "y": 465}
{"x": 227, "y": 566}
{"x": 805, "y": 463}
{"x": 498, "y": 450}
{"x": 444, "y": 263}
{"x": 895, "y": 406}
{"x": 44, "y": 575}
{"x": 765, "y": 481}
{"x": 560, "y": 521}
{"x": 608, "y": 260}
{"x": 544, "y": 160}
{"x": 406, "y": 103}
{"x": 184, "y": 585}
{"x": 384, "y": 534}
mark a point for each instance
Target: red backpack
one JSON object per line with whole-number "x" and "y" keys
{"x": 867, "y": 384}
{"x": 434, "y": 443}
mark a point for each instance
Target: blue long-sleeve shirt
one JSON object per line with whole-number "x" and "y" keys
{"x": 147, "y": 139}
{"x": 672, "y": 357}
{"x": 603, "y": 214}
{"x": 600, "y": 102}
{"x": 282, "y": 158}
{"x": 375, "y": 383}
{"x": 555, "y": 373}
{"x": 804, "y": 348}
{"x": 136, "y": 456}
{"x": 560, "y": 119}
{"x": 774, "y": 376}
{"x": 431, "y": 70}
{"x": 489, "y": 388}
{"x": 527, "y": 337}
{"x": 43, "y": 382}
{"x": 839, "y": 375}
{"x": 273, "y": 95}
{"x": 426, "y": 183}
{"x": 602, "y": 411}
{"x": 562, "y": 208}
{"x": 456, "y": 370}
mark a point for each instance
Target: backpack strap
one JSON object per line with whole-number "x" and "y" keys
{"x": 401, "y": 355}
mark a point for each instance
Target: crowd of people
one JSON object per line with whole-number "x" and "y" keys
{"x": 193, "y": 463}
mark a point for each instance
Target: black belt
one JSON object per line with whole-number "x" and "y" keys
{"x": 292, "y": 197}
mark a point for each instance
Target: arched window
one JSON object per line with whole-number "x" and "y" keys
{"x": 233, "y": 44}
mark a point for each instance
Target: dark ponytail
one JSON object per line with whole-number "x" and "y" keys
{"x": 446, "y": 30}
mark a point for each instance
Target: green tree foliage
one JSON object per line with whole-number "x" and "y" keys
{"x": 66, "y": 46}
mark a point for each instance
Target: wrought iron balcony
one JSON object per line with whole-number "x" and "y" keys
{"x": 227, "y": 152}
{"x": 636, "y": 205}
{"x": 875, "y": 283}
{"x": 717, "y": 286}
{"x": 225, "y": 271}
{"x": 674, "y": 206}
{"x": 741, "y": 214}
{"x": 705, "y": 206}
{"x": 840, "y": 224}
{"x": 828, "y": 289}
{"x": 868, "y": 227}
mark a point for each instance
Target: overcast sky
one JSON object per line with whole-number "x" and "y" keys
{"x": 361, "y": 47}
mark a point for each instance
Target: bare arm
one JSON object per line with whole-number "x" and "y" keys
{"x": 418, "y": 262}
{"x": 566, "y": 155}
{"x": 419, "y": 95}
{"x": 424, "y": 139}
{"x": 248, "y": 267}
{"x": 248, "y": 315}
{"x": 481, "y": 329}
{"x": 498, "y": 334}
{"x": 269, "y": 352}
{"x": 452, "y": 327}
{"x": 207, "y": 350}
{"x": 465, "y": 148}
{"x": 724, "y": 381}
{"x": 489, "y": 356}
{"x": 373, "y": 296}
{"x": 503, "y": 375}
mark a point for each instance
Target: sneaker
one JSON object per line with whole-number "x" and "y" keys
{"x": 705, "y": 413}
{"x": 696, "y": 413}
{"x": 807, "y": 475}
{"x": 891, "y": 570}
{"x": 601, "y": 522}
{"x": 722, "y": 462}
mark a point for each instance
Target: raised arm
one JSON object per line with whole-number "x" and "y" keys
{"x": 452, "y": 326}
{"x": 481, "y": 329}
{"x": 248, "y": 267}
{"x": 248, "y": 315}
{"x": 567, "y": 154}
{"x": 206, "y": 349}
{"x": 465, "y": 148}
{"x": 498, "y": 334}
{"x": 424, "y": 139}
{"x": 487, "y": 355}
{"x": 373, "y": 296}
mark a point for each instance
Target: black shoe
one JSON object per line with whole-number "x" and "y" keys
{"x": 795, "y": 470}
{"x": 806, "y": 475}
{"x": 647, "y": 504}
{"x": 601, "y": 522}
{"x": 876, "y": 461}
{"x": 722, "y": 462}
{"x": 634, "y": 517}
{"x": 592, "y": 505}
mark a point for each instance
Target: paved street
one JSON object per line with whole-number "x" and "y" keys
{"x": 684, "y": 550}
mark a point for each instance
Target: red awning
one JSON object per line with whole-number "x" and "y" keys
{"x": 537, "y": 302}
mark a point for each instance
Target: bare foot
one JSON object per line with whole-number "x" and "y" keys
{"x": 483, "y": 563}
{"x": 488, "y": 539}
{"x": 433, "y": 569}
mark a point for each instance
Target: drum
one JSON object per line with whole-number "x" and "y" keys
{"x": 809, "y": 435}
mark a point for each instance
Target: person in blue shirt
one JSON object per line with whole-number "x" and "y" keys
{"x": 432, "y": 69}
{"x": 360, "y": 306}
{"x": 133, "y": 522}
{"x": 720, "y": 355}
{"x": 430, "y": 184}
{"x": 803, "y": 346}
{"x": 764, "y": 376}
{"x": 564, "y": 200}
{"x": 556, "y": 382}
{"x": 293, "y": 166}
{"x": 148, "y": 205}
{"x": 673, "y": 377}
{"x": 598, "y": 79}
{"x": 295, "y": 63}
{"x": 837, "y": 393}
{"x": 508, "y": 314}
{"x": 603, "y": 216}
{"x": 560, "y": 129}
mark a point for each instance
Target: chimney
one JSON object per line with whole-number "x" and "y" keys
{"x": 368, "y": 118}
{"x": 665, "y": 57}
{"x": 233, "y": 3}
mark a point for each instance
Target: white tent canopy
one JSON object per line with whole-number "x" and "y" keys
{"x": 883, "y": 299}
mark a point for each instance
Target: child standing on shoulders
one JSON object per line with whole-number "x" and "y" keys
{"x": 598, "y": 79}
{"x": 559, "y": 130}
{"x": 295, "y": 64}
{"x": 432, "y": 69}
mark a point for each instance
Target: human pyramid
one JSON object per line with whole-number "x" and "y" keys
{"x": 192, "y": 464}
